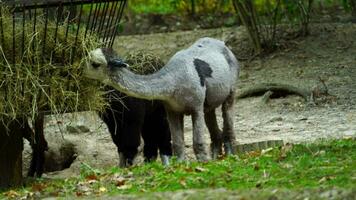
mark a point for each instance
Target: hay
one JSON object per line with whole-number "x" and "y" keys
{"x": 37, "y": 80}
{"x": 143, "y": 63}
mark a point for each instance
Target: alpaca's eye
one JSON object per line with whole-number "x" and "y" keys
{"x": 95, "y": 65}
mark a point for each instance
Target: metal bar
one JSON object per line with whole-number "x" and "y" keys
{"x": 103, "y": 18}
{"x": 66, "y": 35}
{"x": 76, "y": 35}
{"x": 96, "y": 16}
{"x": 13, "y": 39}
{"x": 114, "y": 26}
{"x": 111, "y": 19}
{"x": 117, "y": 23}
{"x": 59, "y": 14}
{"x": 23, "y": 33}
{"x": 2, "y": 28}
{"x": 34, "y": 28}
{"x": 45, "y": 34}
{"x": 50, "y": 3}
{"x": 87, "y": 26}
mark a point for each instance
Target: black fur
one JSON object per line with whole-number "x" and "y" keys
{"x": 38, "y": 145}
{"x": 228, "y": 58}
{"x": 203, "y": 70}
{"x": 126, "y": 123}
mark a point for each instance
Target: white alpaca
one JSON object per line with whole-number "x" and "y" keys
{"x": 195, "y": 81}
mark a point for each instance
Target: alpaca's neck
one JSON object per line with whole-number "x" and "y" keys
{"x": 159, "y": 85}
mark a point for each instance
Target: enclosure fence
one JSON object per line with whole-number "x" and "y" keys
{"x": 88, "y": 17}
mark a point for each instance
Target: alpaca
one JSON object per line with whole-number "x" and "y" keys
{"x": 38, "y": 144}
{"x": 195, "y": 81}
{"x": 128, "y": 118}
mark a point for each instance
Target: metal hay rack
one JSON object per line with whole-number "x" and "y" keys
{"x": 100, "y": 17}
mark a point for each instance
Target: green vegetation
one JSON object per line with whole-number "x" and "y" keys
{"x": 326, "y": 164}
{"x": 213, "y": 6}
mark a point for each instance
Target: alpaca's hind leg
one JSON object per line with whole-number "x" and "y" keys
{"x": 228, "y": 131}
{"x": 198, "y": 133}
{"x": 176, "y": 127}
{"x": 215, "y": 134}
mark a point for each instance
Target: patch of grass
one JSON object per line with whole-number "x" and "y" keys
{"x": 322, "y": 165}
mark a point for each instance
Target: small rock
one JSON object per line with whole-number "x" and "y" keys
{"x": 276, "y": 119}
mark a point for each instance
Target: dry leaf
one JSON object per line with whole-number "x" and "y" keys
{"x": 264, "y": 151}
{"x": 39, "y": 187}
{"x": 124, "y": 187}
{"x": 11, "y": 194}
{"x": 200, "y": 169}
{"x": 102, "y": 189}
{"x": 91, "y": 177}
{"x": 183, "y": 183}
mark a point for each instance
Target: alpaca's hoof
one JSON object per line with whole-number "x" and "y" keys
{"x": 124, "y": 161}
{"x": 216, "y": 150}
{"x": 150, "y": 159}
{"x": 165, "y": 159}
{"x": 228, "y": 148}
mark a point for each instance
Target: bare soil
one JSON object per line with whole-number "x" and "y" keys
{"x": 329, "y": 53}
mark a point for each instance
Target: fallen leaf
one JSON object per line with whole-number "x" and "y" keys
{"x": 254, "y": 153}
{"x": 200, "y": 169}
{"x": 124, "y": 187}
{"x": 286, "y": 165}
{"x": 11, "y": 194}
{"x": 120, "y": 182}
{"x": 284, "y": 151}
{"x": 78, "y": 194}
{"x": 183, "y": 183}
{"x": 90, "y": 182}
{"x": 38, "y": 187}
{"x": 102, "y": 189}
{"x": 91, "y": 177}
{"x": 188, "y": 169}
{"x": 264, "y": 151}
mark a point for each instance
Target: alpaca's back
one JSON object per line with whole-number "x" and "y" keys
{"x": 208, "y": 62}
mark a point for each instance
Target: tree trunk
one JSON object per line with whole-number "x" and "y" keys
{"x": 192, "y": 2}
{"x": 353, "y": 10}
{"x": 248, "y": 16}
{"x": 11, "y": 146}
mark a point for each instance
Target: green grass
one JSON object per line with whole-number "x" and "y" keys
{"x": 325, "y": 164}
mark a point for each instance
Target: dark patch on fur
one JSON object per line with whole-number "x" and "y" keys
{"x": 228, "y": 58}
{"x": 203, "y": 69}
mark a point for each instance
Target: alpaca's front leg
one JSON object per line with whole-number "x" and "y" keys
{"x": 198, "y": 133}
{"x": 176, "y": 127}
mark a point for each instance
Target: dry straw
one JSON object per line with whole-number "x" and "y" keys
{"x": 144, "y": 63}
{"x": 37, "y": 80}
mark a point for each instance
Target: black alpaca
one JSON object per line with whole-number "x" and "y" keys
{"x": 38, "y": 144}
{"x": 131, "y": 118}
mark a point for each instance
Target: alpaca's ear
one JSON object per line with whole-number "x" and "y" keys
{"x": 117, "y": 63}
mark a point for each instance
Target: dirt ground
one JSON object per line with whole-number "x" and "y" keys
{"x": 329, "y": 53}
